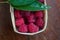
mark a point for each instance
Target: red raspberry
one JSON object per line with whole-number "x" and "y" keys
{"x": 19, "y": 22}
{"x": 31, "y": 18}
{"x": 39, "y": 14}
{"x": 41, "y": 0}
{"x": 17, "y": 14}
{"x": 40, "y": 23}
{"x": 23, "y": 28}
{"x": 32, "y": 28}
{"x": 27, "y": 13}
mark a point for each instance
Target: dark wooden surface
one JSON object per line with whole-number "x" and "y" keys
{"x": 51, "y": 33}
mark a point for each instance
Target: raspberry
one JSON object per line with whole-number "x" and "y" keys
{"x": 17, "y": 14}
{"x": 32, "y": 28}
{"x": 23, "y": 28}
{"x": 19, "y": 22}
{"x": 27, "y": 13}
{"x": 31, "y": 18}
{"x": 41, "y": 0}
{"x": 39, "y": 22}
{"x": 30, "y": 21}
{"x": 39, "y": 14}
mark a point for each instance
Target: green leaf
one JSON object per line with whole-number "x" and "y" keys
{"x": 20, "y": 2}
{"x": 36, "y": 6}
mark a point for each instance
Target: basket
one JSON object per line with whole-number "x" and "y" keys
{"x": 14, "y": 26}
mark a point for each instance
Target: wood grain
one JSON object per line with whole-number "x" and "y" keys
{"x": 51, "y": 33}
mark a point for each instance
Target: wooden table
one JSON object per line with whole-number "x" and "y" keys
{"x": 51, "y": 33}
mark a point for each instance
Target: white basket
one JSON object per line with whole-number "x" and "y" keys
{"x": 14, "y": 26}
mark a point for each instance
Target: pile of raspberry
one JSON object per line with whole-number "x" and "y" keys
{"x": 29, "y": 21}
